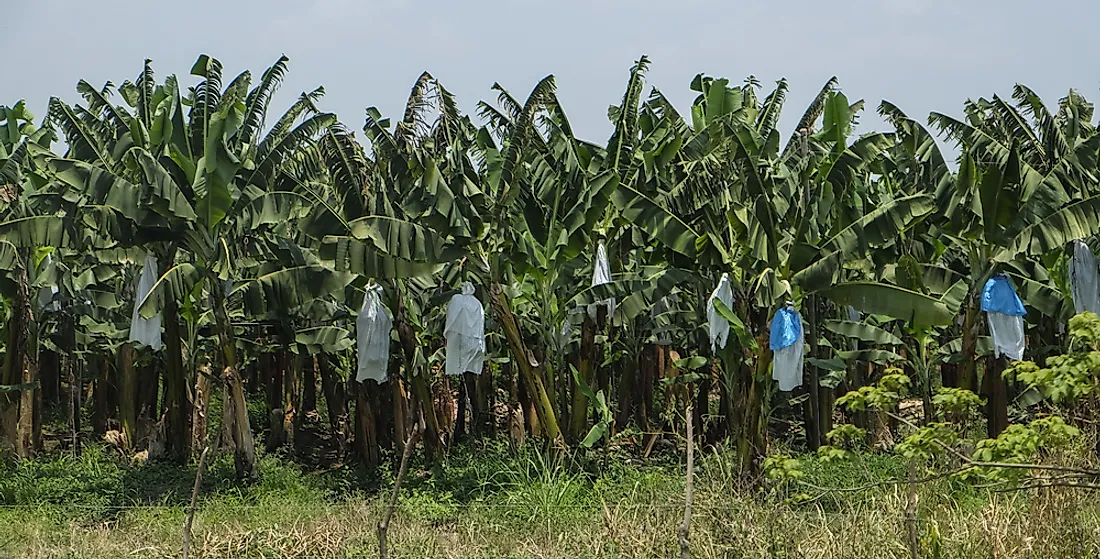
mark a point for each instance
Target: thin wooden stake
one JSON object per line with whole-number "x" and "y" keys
{"x": 911, "y": 512}
{"x": 384, "y": 524}
{"x": 194, "y": 503}
{"x": 685, "y": 527}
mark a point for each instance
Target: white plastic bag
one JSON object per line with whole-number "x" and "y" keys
{"x": 787, "y": 366}
{"x": 145, "y": 331}
{"x": 601, "y": 274}
{"x": 1007, "y": 332}
{"x": 465, "y": 333}
{"x": 1083, "y": 280}
{"x": 786, "y": 342}
{"x": 372, "y": 338}
{"x": 719, "y": 326}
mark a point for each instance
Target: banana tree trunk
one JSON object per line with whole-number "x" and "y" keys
{"x": 433, "y": 440}
{"x": 335, "y": 403}
{"x": 199, "y": 420}
{"x": 244, "y": 454}
{"x": 628, "y": 389}
{"x": 100, "y": 396}
{"x": 997, "y": 395}
{"x": 578, "y": 423}
{"x": 272, "y": 372}
{"x": 128, "y": 394}
{"x": 366, "y": 433}
{"x": 11, "y": 440}
{"x": 49, "y": 366}
{"x": 292, "y": 400}
{"x": 309, "y": 386}
{"x": 177, "y": 428}
{"x": 815, "y": 434}
{"x": 71, "y": 369}
{"x": 531, "y": 377}
{"x": 402, "y": 417}
{"x": 967, "y": 374}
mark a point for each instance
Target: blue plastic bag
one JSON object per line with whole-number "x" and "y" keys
{"x": 999, "y": 296}
{"x": 786, "y": 328}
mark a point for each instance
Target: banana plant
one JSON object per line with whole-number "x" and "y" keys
{"x": 29, "y": 222}
{"x": 209, "y": 193}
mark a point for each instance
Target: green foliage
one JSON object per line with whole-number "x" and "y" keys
{"x": 1022, "y": 444}
{"x": 1071, "y": 377}
{"x": 782, "y": 469}
{"x": 956, "y": 401}
{"x": 847, "y": 435}
{"x": 828, "y": 453}
{"x": 884, "y": 395}
{"x": 928, "y": 441}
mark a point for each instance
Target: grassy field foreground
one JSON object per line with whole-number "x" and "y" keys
{"x": 492, "y": 502}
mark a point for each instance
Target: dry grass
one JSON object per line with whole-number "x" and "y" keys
{"x": 546, "y": 511}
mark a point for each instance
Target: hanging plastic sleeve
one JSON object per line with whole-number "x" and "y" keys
{"x": 719, "y": 327}
{"x": 601, "y": 274}
{"x": 465, "y": 333}
{"x": 46, "y": 294}
{"x": 787, "y": 345}
{"x": 1005, "y": 315}
{"x": 145, "y": 331}
{"x": 1083, "y": 281}
{"x": 372, "y": 338}
{"x": 660, "y": 326}
{"x": 563, "y": 336}
{"x": 853, "y": 314}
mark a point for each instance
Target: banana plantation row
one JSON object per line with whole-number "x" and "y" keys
{"x": 196, "y": 255}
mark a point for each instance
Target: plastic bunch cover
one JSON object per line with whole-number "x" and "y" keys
{"x": 465, "y": 333}
{"x": 661, "y": 327}
{"x": 854, "y": 316}
{"x": 1083, "y": 279}
{"x": 372, "y": 338}
{"x": 719, "y": 326}
{"x": 787, "y": 344}
{"x": 1005, "y": 314}
{"x": 1007, "y": 332}
{"x": 563, "y": 336}
{"x": 999, "y": 296}
{"x": 46, "y": 294}
{"x": 145, "y": 331}
{"x": 601, "y": 274}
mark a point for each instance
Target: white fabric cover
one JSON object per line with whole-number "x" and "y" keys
{"x": 787, "y": 365}
{"x": 1007, "y": 332}
{"x": 145, "y": 331}
{"x": 1083, "y": 279}
{"x": 465, "y": 333}
{"x": 601, "y": 274}
{"x": 372, "y": 338}
{"x": 719, "y": 326}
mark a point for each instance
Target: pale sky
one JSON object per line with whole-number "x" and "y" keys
{"x": 923, "y": 55}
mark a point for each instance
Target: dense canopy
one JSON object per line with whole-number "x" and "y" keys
{"x": 270, "y": 226}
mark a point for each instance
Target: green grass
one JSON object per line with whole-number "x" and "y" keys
{"x": 490, "y": 501}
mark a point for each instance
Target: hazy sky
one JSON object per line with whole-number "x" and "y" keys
{"x": 922, "y": 55}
